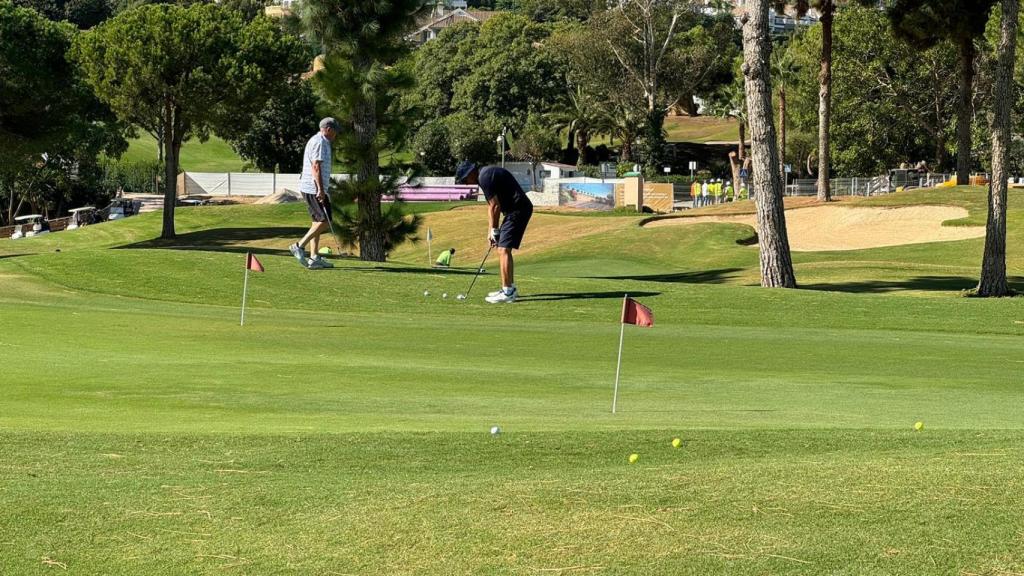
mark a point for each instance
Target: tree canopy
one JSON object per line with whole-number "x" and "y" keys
{"x": 186, "y": 71}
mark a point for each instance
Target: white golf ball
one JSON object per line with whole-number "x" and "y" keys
{"x": 426, "y": 293}
{"x": 495, "y": 430}
{"x": 445, "y": 295}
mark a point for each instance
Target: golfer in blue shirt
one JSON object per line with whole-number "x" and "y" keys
{"x": 504, "y": 196}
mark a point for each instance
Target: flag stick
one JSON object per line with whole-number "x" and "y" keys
{"x": 618, "y": 365}
{"x": 245, "y": 288}
{"x": 430, "y": 261}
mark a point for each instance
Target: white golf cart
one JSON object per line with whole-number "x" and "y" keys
{"x": 30, "y": 225}
{"x": 81, "y": 217}
{"x": 121, "y": 208}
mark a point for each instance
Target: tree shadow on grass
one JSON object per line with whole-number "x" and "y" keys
{"x": 224, "y": 240}
{"x": 719, "y": 276}
{"x": 420, "y": 270}
{"x": 552, "y": 297}
{"x": 918, "y": 283}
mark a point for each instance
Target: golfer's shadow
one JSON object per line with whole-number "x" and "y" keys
{"x": 553, "y": 297}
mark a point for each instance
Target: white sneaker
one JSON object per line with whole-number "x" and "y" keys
{"x": 323, "y": 262}
{"x": 502, "y": 298}
{"x": 493, "y": 294}
{"x": 314, "y": 264}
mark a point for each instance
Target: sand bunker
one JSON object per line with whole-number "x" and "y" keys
{"x": 822, "y": 228}
{"x": 282, "y": 196}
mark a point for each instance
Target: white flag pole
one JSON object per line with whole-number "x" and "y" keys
{"x": 430, "y": 256}
{"x": 618, "y": 366}
{"x": 245, "y": 288}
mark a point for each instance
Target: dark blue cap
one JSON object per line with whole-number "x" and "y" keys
{"x": 464, "y": 170}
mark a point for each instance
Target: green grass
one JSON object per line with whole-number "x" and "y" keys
{"x": 214, "y": 155}
{"x": 344, "y": 428}
{"x": 217, "y": 155}
{"x": 700, "y": 129}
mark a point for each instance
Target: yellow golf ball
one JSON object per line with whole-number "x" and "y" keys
{"x": 919, "y": 426}
{"x": 676, "y": 442}
{"x": 633, "y": 458}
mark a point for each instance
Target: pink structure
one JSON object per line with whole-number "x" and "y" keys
{"x": 449, "y": 193}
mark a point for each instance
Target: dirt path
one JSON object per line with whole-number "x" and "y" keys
{"x": 826, "y": 228}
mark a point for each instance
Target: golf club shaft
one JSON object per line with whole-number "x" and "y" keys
{"x": 478, "y": 270}
{"x": 330, "y": 223}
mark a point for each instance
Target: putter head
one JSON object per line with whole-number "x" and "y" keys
{"x": 460, "y": 297}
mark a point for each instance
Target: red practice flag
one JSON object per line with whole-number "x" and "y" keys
{"x": 252, "y": 263}
{"x": 634, "y": 312}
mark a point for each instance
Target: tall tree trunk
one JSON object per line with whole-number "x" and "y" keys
{"x": 372, "y": 236}
{"x": 172, "y": 151}
{"x": 965, "y": 112}
{"x": 582, "y": 141}
{"x": 993, "y": 262}
{"x": 825, "y": 102}
{"x": 743, "y": 143}
{"x": 773, "y": 242}
{"x": 689, "y": 105}
{"x": 782, "y": 134}
{"x": 160, "y": 145}
{"x": 736, "y": 159}
{"x": 10, "y": 205}
{"x": 626, "y": 152}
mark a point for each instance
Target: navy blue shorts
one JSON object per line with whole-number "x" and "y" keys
{"x": 317, "y": 211}
{"x": 510, "y": 234}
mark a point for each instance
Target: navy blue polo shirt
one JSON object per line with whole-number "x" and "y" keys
{"x": 496, "y": 182}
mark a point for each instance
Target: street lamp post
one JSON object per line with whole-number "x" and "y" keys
{"x": 501, "y": 140}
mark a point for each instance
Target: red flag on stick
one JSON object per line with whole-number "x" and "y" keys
{"x": 252, "y": 263}
{"x": 634, "y": 312}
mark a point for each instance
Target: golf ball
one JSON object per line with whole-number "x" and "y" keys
{"x": 495, "y": 430}
{"x": 445, "y": 295}
{"x": 676, "y": 442}
{"x": 426, "y": 292}
{"x": 919, "y": 426}
{"x": 634, "y": 458}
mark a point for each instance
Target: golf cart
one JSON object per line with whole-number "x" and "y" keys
{"x": 81, "y": 217}
{"x": 35, "y": 223}
{"x": 121, "y": 208}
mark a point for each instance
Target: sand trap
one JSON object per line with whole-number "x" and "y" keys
{"x": 822, "y": 228}
{"x": 282, "y": 196}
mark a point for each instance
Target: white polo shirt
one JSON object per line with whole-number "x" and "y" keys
{"x": 318, "y": 148}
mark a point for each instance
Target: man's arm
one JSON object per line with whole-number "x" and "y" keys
{"x": 317, "y": 180}
{"x": 493, "y": 212}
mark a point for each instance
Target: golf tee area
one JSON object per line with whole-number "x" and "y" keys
{"x": 347, "y": 427}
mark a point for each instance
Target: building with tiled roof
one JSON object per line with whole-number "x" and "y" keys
{"x": 446, "y": 14}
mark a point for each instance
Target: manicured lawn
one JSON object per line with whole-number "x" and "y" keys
{"x": 214, "y": 155}
{"x": 344, "y": 429}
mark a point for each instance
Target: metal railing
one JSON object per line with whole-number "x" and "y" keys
{"x": 866, "y": 186}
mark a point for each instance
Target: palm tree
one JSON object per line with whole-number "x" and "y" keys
{"x": 730, "y": 102}
{"x": 784, "y": 71}
{"x": 581, "y": 115}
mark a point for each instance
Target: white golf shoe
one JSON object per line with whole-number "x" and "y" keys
{"x": 502, "y": 298}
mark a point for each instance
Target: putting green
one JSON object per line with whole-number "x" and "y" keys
{"x": 345, "y": 428}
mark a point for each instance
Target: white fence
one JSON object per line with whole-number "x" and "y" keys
{"x": 260, "y": 183}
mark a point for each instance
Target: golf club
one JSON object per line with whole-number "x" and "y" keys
{"x": 330, "y": 222}
{"x": 479, "y": 269}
